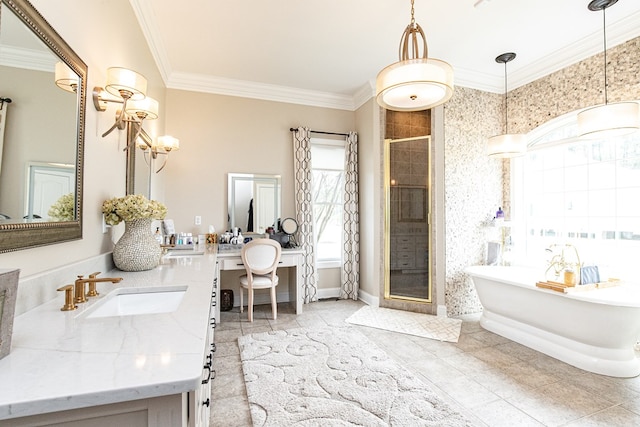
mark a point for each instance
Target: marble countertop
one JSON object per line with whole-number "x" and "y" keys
{"x": 64, "y": 360}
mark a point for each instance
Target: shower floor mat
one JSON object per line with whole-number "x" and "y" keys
{"x": 419, "y": 324}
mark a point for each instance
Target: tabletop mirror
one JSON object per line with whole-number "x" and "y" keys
{"x": 42, "y": 98}
{"x": 253, "y": 202}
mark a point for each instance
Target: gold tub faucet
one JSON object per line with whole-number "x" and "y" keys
{"x": 80, "y": 282}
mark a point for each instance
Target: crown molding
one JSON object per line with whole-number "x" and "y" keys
{"x": 146, "y": 20}
{"x": 266, "y": 92}
{"x": 476, "y": 80}
{"x": 28, "y": 59}
{"x": 620, "y": 32}
{"x": 364, "y": 94}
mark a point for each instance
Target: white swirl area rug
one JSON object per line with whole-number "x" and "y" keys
{"x": 334, "y": 376}
{"x": 419, "y": 324}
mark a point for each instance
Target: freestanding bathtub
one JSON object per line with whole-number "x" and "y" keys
{"x": 594, "y": 330}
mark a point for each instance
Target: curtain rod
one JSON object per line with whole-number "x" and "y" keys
{"x": 322, "y": 132}
{"x": 3, "y": 100}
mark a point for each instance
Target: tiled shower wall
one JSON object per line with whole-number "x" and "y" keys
{"x": 473, "y": 189}
{"x": 476, "y": 185}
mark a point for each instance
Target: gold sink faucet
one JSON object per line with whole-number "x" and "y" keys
{"x": 68, "y": 298}
{"x": 80, "y": 282}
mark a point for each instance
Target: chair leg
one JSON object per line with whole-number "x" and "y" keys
{"x": 250, "y": 304}
{"x": 274, "y": 303}
{"x": 241, "y": 303}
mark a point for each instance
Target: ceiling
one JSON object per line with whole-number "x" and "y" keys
{"x": 328, "y": 52}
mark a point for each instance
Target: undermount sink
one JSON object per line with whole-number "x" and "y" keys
{"x": 182, "y": 253}
{"x": 136, "y": 301}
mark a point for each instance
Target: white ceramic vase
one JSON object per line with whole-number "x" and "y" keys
{"x": 137, "y": 249}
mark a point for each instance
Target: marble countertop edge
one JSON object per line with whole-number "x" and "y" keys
{"x": 63, "y": 360}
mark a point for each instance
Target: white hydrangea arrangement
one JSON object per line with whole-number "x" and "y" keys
{"x": 63, "y": 209}
{"x": 130, "y": 207}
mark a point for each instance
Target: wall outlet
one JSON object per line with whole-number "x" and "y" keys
{"x": 198, "y": 220}
{"x": 105, "y": 226}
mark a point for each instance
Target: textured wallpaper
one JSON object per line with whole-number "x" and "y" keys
{"x": 476, "y": 185}
{"x": 473, "y": 189}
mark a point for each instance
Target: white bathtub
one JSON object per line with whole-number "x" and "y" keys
{"x": 593, "y": 330}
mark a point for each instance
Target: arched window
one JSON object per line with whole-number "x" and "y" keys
{"x": 582, "y": 192}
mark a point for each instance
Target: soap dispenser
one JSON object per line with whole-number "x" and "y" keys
{"x": 158, "y": 235}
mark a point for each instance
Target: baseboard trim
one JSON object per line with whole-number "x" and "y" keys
{"x": 441, "y": 310}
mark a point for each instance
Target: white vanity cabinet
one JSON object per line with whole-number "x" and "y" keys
{"x": 149, "y": 370}
{"x": 200, "y": 399}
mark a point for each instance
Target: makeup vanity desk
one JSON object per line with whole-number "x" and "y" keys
{"x": 229, "y": 259}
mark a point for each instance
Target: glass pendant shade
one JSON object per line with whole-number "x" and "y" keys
{"x": 146, "y": 108}
{"x": 507, "y": 145}
{"x": 65, "y": 78}
{"x": 608, "y": 120}
{"x": 414, "y": 84}
{"x": 122, "y": 81}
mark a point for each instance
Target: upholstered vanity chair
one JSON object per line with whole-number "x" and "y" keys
{"x": 260, "y": 258}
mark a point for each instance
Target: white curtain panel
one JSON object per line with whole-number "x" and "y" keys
{"x": 351, "y": 222}
{"x": 304, "y": 210}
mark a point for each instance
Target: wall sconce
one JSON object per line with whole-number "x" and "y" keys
{"x": 129, "y": 89}
{"x": 65, "y": 78}
{"x": 164, "y": 145}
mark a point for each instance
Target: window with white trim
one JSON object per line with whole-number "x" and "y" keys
{"x": 327, "y": 164}
{"x": 582, "y": 192}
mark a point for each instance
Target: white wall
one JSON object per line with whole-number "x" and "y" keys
{"x": 370, "y": 182}
{"x": 103, "y": 34}
{"x": 218, "y": 135}
{"x": 222, "y": 134}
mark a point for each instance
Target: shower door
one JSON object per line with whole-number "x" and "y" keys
{"x": 407, "y": 176}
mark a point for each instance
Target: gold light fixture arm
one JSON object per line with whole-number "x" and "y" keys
{"x": 410, "y": 39}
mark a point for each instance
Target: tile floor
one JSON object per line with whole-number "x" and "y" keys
{"x": 492, "y": 380}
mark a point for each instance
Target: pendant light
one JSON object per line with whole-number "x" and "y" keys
{"x": 507, "y": 145}
{"x": 613, "y": 119}
{"x": 415, "y": 82}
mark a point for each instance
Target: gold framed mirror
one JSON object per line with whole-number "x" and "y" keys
{"x": 407, "y": 239}
{"x": 38, "y": 53}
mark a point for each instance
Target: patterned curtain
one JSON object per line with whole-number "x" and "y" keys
{"x": 351, "y": 222}
{"x": 304, "y": 210}
{"x": 4, "y": 106}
